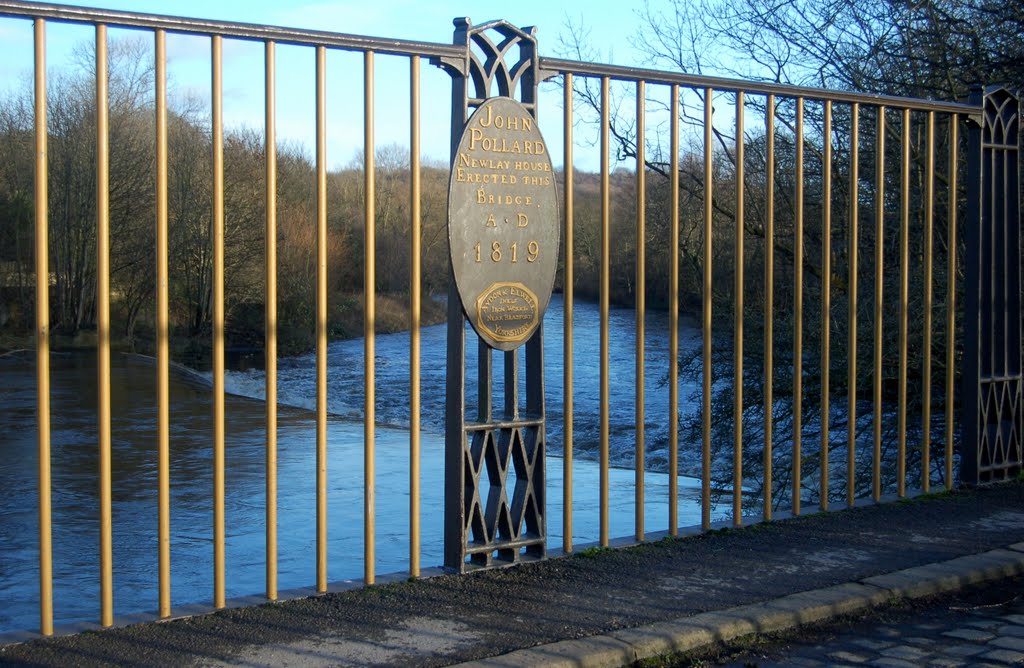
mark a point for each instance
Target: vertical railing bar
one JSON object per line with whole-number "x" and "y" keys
{"x": 876, "y": 457}
{"x": 826, "y": 306}
{"x": 706, "y": 375}
{"x": 485, "y": 380}
{"x": 993, "y": 343}
{"x": 985, "y": 232}
{"x": 769, "y": 300}
{"x": 162, "y": 329}
{"x": 737, "y": 389}
{"x": 641, "y": 215}
{"x": 369, "y": 315}
{"x": 976, "y": 306}
{"x": 103, "y": 325}
{"x": 954, "y": 139}
{"x": 673, "y": 322}
{"x": 43, "y": 333}
{"x": 510, "y": 358}
{"x": 321, "y": 319}
{"x": 851, "y": 340}
{"x": 414, "y": 316}
{"x": 926, "y": 353}
{"x": 1011, "y": 275}
{"x": 270, "y": 149}
{"x": 567, "y": 315}
{"x": 604, "y": 297}
{"x": 901, "y": 453}
{"x": 1008, "y": 276}
{"x": 798, "y": 305}
{"x": 1003, "y": 282}
{"x": 1000, "y": 352}
{"x": 217, "y": 139}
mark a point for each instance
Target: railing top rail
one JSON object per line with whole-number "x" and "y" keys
{"x": 256, "y": 32}
{"x": 624, "y": 73}
{"x": 247, "y": 31}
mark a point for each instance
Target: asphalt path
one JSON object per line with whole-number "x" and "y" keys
{"x": 449, "y": 619}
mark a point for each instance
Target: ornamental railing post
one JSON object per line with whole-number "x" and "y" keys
{"x": 991, "y": 404}
{"x": 503, "y": 245}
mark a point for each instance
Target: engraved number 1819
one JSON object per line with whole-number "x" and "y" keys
{"x": 532, "y": 251}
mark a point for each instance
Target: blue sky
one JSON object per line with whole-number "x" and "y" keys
{"x": 609, "y": 24}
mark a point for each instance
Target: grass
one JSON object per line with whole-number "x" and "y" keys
{"x": 591, "y": 552}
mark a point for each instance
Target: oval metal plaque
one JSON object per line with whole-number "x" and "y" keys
{"x": 503, "y": 227}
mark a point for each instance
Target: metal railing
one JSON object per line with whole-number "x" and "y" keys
{"x": 741, "y": 91}
{"x": 742, "y": 95}
{"x": 160, "y": 26}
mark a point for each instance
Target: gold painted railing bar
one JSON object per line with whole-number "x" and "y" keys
{"x": 321, "y": 319}
{"x": 876, "y": 457}
{"x": 851, "y": 318}
{"x": 103, "y": 325}
{"x": 415, "y": 223}
{"x": 640, "y": 308}
{"x": 270, "y": 317}
{"x": 42, "y": 220}
{"x": 605, "y": 298}
{"x": 706, "y": 373}
{"x": 951, "y": 282}
{"x": 737, "y": 380}
{"x": 798, "y": 311}
{"x": 568, "y": 278}
{"x": 769, "y": 303}
{"x": 217, "y": 121}
{"x": 369, "y": 327}
{"x": 163, "y": 354}
{"x": 673, "y": 321}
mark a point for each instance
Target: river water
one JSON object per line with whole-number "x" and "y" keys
{"x": 297, "y": 381}
{"x": 74, "y": 464}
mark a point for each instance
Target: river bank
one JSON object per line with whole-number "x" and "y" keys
{"x": 244, "y": 333}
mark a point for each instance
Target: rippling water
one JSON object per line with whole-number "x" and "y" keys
{"x": 74, "y": 463}
{"x": 297, "y": 381}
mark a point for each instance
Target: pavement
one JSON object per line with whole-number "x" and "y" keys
{"x": 670, "y": 598}
{"x": 981, "y": 625}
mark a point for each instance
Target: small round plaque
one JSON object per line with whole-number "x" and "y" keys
{"x": 507, "y": 311}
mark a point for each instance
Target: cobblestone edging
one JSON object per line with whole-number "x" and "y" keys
{"x": 687, "y": 634}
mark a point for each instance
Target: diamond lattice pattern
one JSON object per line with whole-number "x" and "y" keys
{"x": 499, "y": 463}
{"x": 999, "y": 440}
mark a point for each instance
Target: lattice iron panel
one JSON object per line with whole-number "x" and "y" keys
{"x": 999, "y": 446}
{"x": 498, "y": 462}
